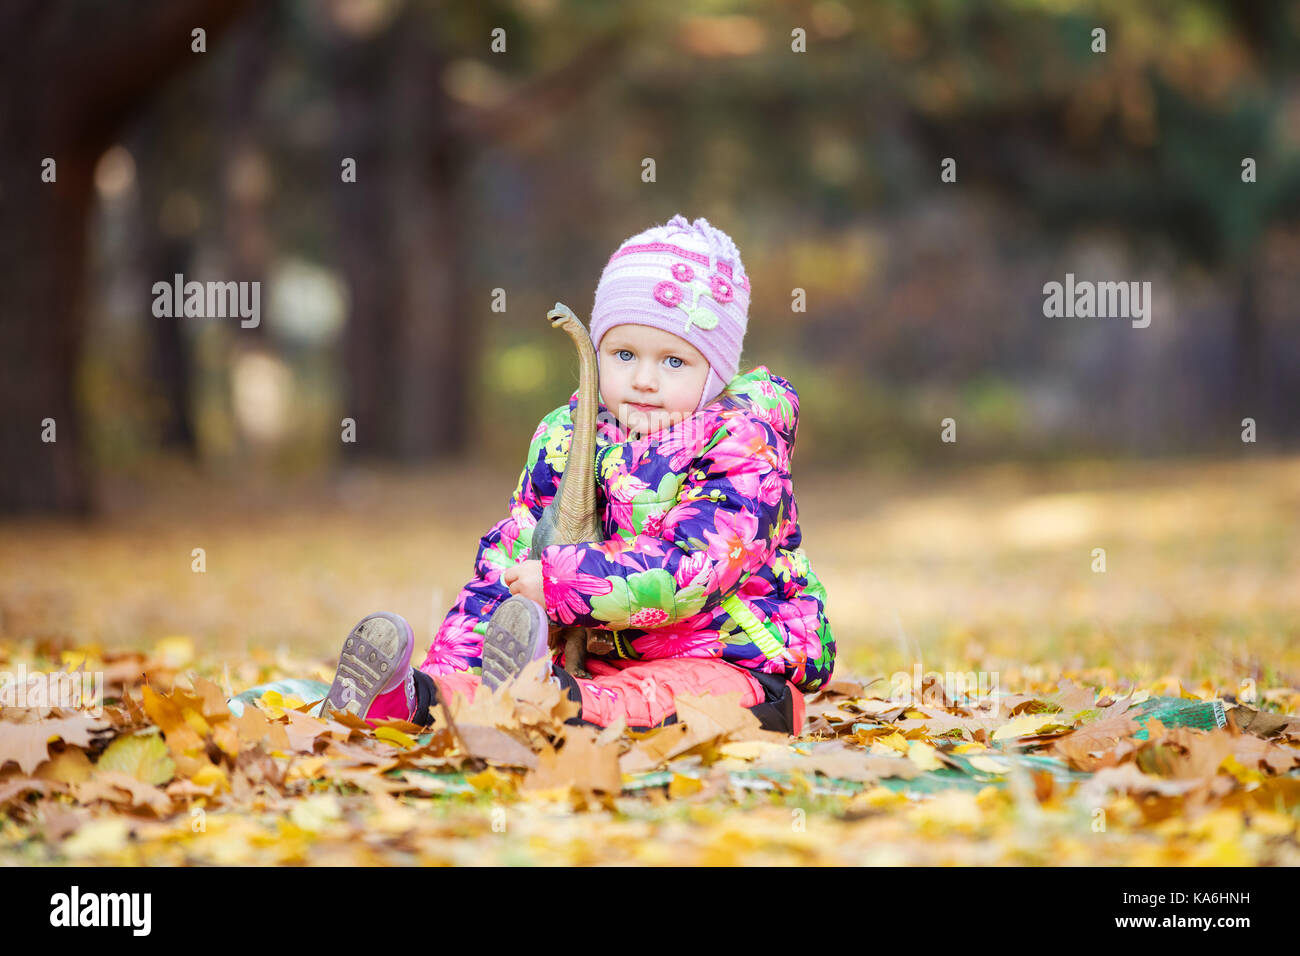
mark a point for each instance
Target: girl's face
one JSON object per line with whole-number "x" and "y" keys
{"x": 649, "y": 379}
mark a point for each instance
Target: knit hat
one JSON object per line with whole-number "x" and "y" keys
{"x": 684, "y": 278}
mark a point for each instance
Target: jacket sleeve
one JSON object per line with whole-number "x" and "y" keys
{"x": 508, "y": 541}
{"x": 693, "y": 557}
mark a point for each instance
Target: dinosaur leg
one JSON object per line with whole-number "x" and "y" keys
{"x": 575, "y": 651}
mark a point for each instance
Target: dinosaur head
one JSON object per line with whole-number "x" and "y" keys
{"x": 561, "y": 316}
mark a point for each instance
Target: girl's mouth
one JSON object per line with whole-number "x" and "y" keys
{"x": 643, "y": 408}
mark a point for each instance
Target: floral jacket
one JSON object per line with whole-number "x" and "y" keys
{"x": 702, "y": 557}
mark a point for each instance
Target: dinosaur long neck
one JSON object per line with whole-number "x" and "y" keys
{"x": 576, "y": 519}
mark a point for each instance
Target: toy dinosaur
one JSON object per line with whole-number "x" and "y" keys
{"x": 571, "y": 516}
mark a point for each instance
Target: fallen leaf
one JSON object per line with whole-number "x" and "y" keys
{"x": 1072, "y": 697}
{"x": 701, "y": 719}
{"x": 168, "y": 713}
{"x": 680, "y": 786}
{"x": 654, "y": 748}
{"x": 492, "y": 780}
{"x": 1262, "y": 723}
{"x": 27, "y": 744}
{"x": 1253, "y": 752}
{"x": 497, "y": 746}
{"x": 1082, "y": 746}
{"x": 15, "y": 787}
{"x": 253, "y": 728}
{"x": 405, "y": 741}
{"x": 923, "y": 755}
{"x": 834, "y": 759}
{"x": 1183, "y": 753}
{"x": 70, "y": 765}
{"x": 302, "y": 730}
{"x": 1024, "y": 726}
{"x": 137, "y": 794}
{"x": 1127, "y": 778}
{"x": 753, "y": 749}
{"x": 212, "y": 776}
{"x": 142, "y": 756}
{"x": 989, "y": 764}
{"x": 580, "y": 764}
{"x": 214, "y": 706}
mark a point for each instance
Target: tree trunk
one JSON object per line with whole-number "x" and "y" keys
{"x": 161, "y": 254}
{"x": 366, "y": 251}
{"x": 412, "y": 341}
{"x": 43, "y": 248}
{"x": 437, "y": 350}
{"x": 82, "y": 69}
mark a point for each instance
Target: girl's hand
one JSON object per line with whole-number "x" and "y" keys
{"x": 526, "y": 578}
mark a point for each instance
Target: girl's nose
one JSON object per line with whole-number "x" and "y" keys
{"x": 645, "y": 377}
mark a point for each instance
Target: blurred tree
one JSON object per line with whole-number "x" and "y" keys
{"x": 412, "y": 342}
{"x": 1149, "y": 136}
{"x": 83, "y": 68}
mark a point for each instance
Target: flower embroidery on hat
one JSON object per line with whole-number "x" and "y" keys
{"x": 720, "y": 289}
{"x": 724, "y": 268}
{"x": 668, "y": 293}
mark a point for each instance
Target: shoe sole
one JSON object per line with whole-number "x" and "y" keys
{"x": 516, "y": 636}
{"x": 373, "y": 660}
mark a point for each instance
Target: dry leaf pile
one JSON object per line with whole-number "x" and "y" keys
{"x": 166, "y": 774}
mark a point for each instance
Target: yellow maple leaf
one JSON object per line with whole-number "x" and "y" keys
{"x": 396, "y": 737}
{"x": 491, "y": 780}
{"x": 683, "y": 786}
{"x": 308, "y": 768}
{"x": 212, "y": 775}
{"x": 89, "y": 657}
{"x": 142, "y": 756}
{"x": 989, "y": 764}
{"x": 1023, "y": 726}
{"x": 166, "y": 713}
{"x": 894, "y": 741}
{"x": 923, "y": 755}
{"x": 1245, "y": 774}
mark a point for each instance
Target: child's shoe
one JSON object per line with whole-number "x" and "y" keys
{"x": 516, "y": 636}
{"x": 374, "y": 679}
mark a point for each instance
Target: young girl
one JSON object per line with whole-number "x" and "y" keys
{"x": 702, "y": 585}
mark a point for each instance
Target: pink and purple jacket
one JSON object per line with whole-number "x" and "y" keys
{"x": 703, "y": 557}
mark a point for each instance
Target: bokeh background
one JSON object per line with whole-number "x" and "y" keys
{"x": 522, "y": 170}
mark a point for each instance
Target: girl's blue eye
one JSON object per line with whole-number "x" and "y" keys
{"x": 621, "y": 352}
{"x": 674, "y": 358}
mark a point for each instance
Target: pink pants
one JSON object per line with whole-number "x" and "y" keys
{"x": 643, "y": 692}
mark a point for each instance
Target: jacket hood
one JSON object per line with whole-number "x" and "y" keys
{"x": 759, "y": 392}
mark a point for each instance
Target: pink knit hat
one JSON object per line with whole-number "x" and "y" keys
{"x": 684, "y": 278}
